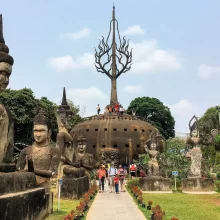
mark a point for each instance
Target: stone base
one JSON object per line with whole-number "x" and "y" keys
{"x": 74, "y": 188}
{"x": 197, "y": 185}
{"x": 155, "y": 184}
{"x": 16, "y": 182}
{"x": 32, "y": 204}
{"x": 7, "y": 167}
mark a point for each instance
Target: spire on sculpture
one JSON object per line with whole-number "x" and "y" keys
{"x": 64, "y": 101}
{"x": 118, "y": 57}
{"x": 4, "y": 50}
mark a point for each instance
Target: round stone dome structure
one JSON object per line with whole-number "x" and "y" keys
{"x": 114, "y": 138}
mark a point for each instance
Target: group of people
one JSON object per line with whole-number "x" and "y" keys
{"x": 109, "y": 109}
{"x": 114, "y": 176}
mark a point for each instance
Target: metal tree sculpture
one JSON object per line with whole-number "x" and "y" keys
{"x": 116, "y": 56}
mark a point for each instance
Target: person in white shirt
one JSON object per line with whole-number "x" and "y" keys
{"x": 98, "y": 109}
{"x": 111, "y": 174}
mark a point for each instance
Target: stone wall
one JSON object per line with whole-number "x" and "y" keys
{"x": 33, "y": 204}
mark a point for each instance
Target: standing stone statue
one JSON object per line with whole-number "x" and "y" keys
{"x": 153, "y": 167}
{"x": 196, "y": 153}
{"x": 6, "y": 121}
{"x": 40, "y": 158}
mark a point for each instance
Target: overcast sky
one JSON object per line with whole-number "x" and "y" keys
{"x": 176, "y": 51}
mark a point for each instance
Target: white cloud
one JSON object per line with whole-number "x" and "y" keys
{"x": 148, "y": 58}
{"x": 133, "y": 89}
{"x": 67, "y": 63}
{"x": 85, "y": 96}
{"x": 182, "y": 112}
{"x": 84, "y": 33}
{"x": 205, "y": 71}
{"x": 134, "y": 30}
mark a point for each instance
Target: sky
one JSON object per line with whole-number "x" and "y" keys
{"x": 176, "y": 51}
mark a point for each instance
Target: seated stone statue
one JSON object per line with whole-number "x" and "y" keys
{"x": 6, "y": 122}
{"x": 40, "y": 158}
{"x": 83, "y": 162}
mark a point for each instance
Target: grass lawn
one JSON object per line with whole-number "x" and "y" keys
{"x": 187, "y": 206}
{"x": 65, "y": 207}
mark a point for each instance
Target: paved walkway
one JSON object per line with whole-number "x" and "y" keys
{"x": 112, "y": 206}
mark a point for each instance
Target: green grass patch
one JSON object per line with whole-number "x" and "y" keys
{"x": 65, "y": 207}
{"x": 186, "y": 206}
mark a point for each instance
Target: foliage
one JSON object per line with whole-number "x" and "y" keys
{"x": 217, "y": 185}
{"x": 155, "y": 113}
{"x": 24, "y": 107}
{"x": 217, "y": 142}
{"x": 173, "y": 158}
{"x": 76, "y": 110}
{"x": 142, "y": 161}
{"x": 206, "y": 123}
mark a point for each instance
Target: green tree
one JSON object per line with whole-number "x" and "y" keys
{"x": 173, "y": 158}
{"x": 155, "y": 113}
{"x": 24, "y": 107}
{"x": 75, "y": 109}
{"x": 206, "y": 123}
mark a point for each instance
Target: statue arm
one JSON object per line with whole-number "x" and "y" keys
{"x": 56, "y": 155}
{"x": 91, "y": 164}
{"x": 20, "y": 166}
{"x": 146, "y": 148}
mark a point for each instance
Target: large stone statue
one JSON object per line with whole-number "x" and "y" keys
{"x": 76, "y": 172}
{"x": 194, "y": 182}
{"x": 40, "y": 158}
{"x": 196, "y": 153}
{"x": 153, "y": 142}
{"x": 6, "y": 122}
{"x": 64, "y": 140}
{"x": 81, "y": 159}
{"x": 154, "y": 181}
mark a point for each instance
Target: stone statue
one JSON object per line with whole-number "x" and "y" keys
{"x": 64, "y": 140}
{"x": 153, "y": 167}
{"x": 196, "y": 153}
{"x": 82, "y": 161}
{"x": 40, "y": 158}
{"x": 6, "y": 121}
{"x": 108, "y": 156}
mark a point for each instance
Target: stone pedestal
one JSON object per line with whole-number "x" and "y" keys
{"x": 155, "y": 184}
{"x": 7, "y": 167}
{"x": 197, "y": 185}
{"x": 20, "y": 199}
{"x": 74, "y": 188}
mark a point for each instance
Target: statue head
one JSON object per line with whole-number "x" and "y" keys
{"x": 6, "y": 61}
{"x": 81, "y": 144}
{"x": 194, "y": 133}
{"x": 153, "y": 145}
{"x": 42, "y": 128}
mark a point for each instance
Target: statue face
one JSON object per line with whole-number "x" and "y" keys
{"x": 4, "y": 80}
{"x": 195, "y": 133}
{"x": 41, "y": 133}
{"x": 81, "y": 147}
{"x": 66, "y": 120}
{"x": 153, "y": 146}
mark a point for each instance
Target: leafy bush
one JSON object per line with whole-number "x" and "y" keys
{"x": 217, "y": 185}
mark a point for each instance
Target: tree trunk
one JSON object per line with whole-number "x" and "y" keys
{"x": 114, "y": 97}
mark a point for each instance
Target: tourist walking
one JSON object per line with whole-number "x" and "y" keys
{"x": 112, "y": 171}
{"x": 116, "y": 108}
{"x": 98, "y": 109}
{"x": 133, "y": 169}
{"x": 116, "y": 182}
{"x": 122, "y": 173}
{"x": 110, "y": 109}
{"x": 101, "y": 176}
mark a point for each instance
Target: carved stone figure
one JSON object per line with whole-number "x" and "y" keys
{"x": 82, "y": 161}
{"x": 40, "y": 158}
{"x": 195, "y": 153}
{"x": 153, "y": 167}
{"x": 64, "y": 140}
{"x": 108, "y": 156}
{"x": 6, "y": 122}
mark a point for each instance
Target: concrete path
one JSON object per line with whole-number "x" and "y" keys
{"x": 112, "y": 206}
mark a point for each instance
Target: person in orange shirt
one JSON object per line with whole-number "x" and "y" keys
{"x": 110, "y": 109}
{"x": 101, "y": 176}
